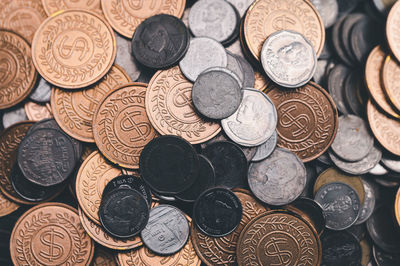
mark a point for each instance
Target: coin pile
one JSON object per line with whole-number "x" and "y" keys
{"x": 216, "y": 132}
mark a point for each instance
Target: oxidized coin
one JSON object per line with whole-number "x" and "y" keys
{"x": 167, "y": 230}
{"x": 37, "y": 112}
{"x": 368, "y": 206}
{"x": 41, "y": 93}
{"x": 73, "y": 49}
{"x": 265, "y": 149}
{"x": 390, "y": 72}
{"x": 217, "y": 212}
{"x": 128, "y": 63}
{"x": 123, "y": 212}
{"x": 170, "y": 108}
{"x": 340, "y": 203}
{"x": 383, "y": 258}
{"x": 74, "y": 110}
{"x": 203, "y": 53}
{"x": 328, "y": 10}
{"x": 52, "y": 6}
{"x": 288, "y": 58}
{"x": 336, "y": 85}
{"x": 17, "y": 72}
{"x": 121, "y": 127}
{"x": 13, "y": 116}
{"x": 278, "y": 238}
{"x": 216, "y": 94}
{"x": 265, "y": 17}
{"x": 353, "y": 141}
{"x": 255, "y": 120}
{"x": 392, "y": 30}
{"x": 50, "y": 234}
{"x": 307, "y": 119}
{"x": 160, "y": 41}
{"x": 7, "y": 206}
{"x": 279, "y": 179}
{"x": 103, "y": 257}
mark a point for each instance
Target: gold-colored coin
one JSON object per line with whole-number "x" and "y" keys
{"x": 37, "y": 112}
{"x": 52, "y": 6}
{"x": 391, "y": 82}
{"x": 397, "y": 207}
{"x": 7, "y": 206}
{"x": 393, "y": 30}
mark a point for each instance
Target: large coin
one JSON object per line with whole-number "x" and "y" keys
{"x": 52, "y": 6}
{"x": 390, "y": 72}
{"x": 73, "y": 49}
{"x": 392, "y": 30}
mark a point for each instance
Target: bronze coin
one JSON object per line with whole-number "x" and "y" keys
{"x": 126, "y": 15}
{"x": 17, "y": 72}
{"x": 170, "y": 108}
{"x": 7, "y": 206}
{"x": 74, "y": 110}
{"x": 52, "y": 6}
{"x": 121, "y": 127}
{"x": 390, "y": 74}
{"x": 37, "y": 112}
{"x": 74, "y": 48}
{"x": 385, "y": 129}
{"x": 50, "y": 234}
{"x": 307, "y": 119}
{"x": 393, "y": 30}
{"x": 265, "y": 17}
{"x": 279, "y": 238}
{"x": 261, "y": 81}
{"x": 103, "y": 257}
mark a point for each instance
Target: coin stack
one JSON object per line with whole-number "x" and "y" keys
{"x": 209, "y": 132}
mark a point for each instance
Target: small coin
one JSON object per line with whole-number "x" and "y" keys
{"x": 390, "y": 71}
{"x": 368, "y": 206}
{"x": 333, "y": 244}
{"x": 14, "y": 115}
{"x": 320, "y": 74}
{"x": 7, "y": 206}
{"x": 383, "y": 258}
{"x": 328, "y": 10}
{"x": 160, "y": 41}
{"x": 255, "y": 120}
{"x": 52, "y": 6}
{"x": 265, "y": 149}
{"x": 128, "y": 63}
{"x": 103, "y": 257}
{"x": 392, "y": 30}
{"x": 336, "y": 85}
{"x": 37, "y": 112}
{"x": 41, "y": 93}
{"x": 73, "y": 55}
{"x": 50, "y": 234}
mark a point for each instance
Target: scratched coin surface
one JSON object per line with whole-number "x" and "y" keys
{"x": 50, "y": 234}
{"x": 74, "y": 110}
{"x": 17, "y": 72}
{"x": 307, "y": 119}
{"x": 126, "y": 15}
{"x": 37, "y": 112}
{"x": 279, "y": 237}
{"x": 121, "y": 127}
{"x": 73, "y": 55}
{"x": 52, "y": 6}
{"x": 170, "y": 108}
{"x": 392, "y": 30}
{"x": 390, "y": 72}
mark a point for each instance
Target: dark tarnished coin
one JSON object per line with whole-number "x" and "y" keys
{"x": 217, "y": 212}
{"x": 346, "y": 6}
{"x": 312, "y": 210}
{"x": 367, "y": 208}
{"x": 383, "y": 258}
{"x": 124, "y": 212}
{"x": 13, "y": 116}
{"x": 167, "y": 230}
{"x": 46, "y": 157}
{"x": 345, "y": 32}
{"x": 265, "y": 149}
{"x": 354, "y": 92}
{"x": 160, "y": 41}
{"x": 336, "y": 86}
{"x": 229, "y": 162}
{"x": 42, "y": 92}
{"x": 169, "y": 164}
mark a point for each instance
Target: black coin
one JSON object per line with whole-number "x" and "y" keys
{"x": 359, "y": 231}
{"x": 169, "y": 164}
{"x": 313, "y": 210}
{"x": 205, "y": 180}
{"x": 229, "y": 162}
{"x": 124, "y": 212}
{"x": 217, "y": 212}
{"x": 346, "y": 6}
{"x": 383, "y": 258}
{"x": 348, "y": 24}
{"x": 160, "y": 41}
{"x": 352, "y": 91}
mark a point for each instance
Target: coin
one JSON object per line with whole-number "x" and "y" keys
{"x": 378, "y": 170}
{"x": 346, "y": 6}
{"x": 345, "y": 31}
{"x": 41, "y": 93}
{"x": 391, "y": 162}
{"x": 262, "y": 82}
{"x": 52, "y": 6}
{"x": 14, "y": 115}
{"x": 392, "y": 29}
{"x": 121, "y": 127}
{"x": 265, "y": 149}
{"x": 354, "y": 93}
{"x": 170, "y": 108}
{"x": 338, "y": 42}
{"x": 241, "y": 5}
{"x": 128, "y": 63}
{"x": 264, "y": 18}
{"x": 328, "y": 10}
{"x": 7, "y": 206}
{"x": 336, "y": 86}
{"x": 36, "y": 112}
{"x": 74, "y": 110}
{"x": 103, "y": 257}
{"x": 390, "y": 70}
{"x": 333, "y": 244}
{"x": 307, "y": 119}
{"x": 217, "y": 212}
{"x": 73, "y": 55}
{"x": 50, "y": 234}
{"x": 275, "y": 235}
{"x": 383, "y": 258}
{"x": 235, "y": 66}
{"x": 368, "y": 206}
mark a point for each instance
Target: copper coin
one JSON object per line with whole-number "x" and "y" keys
{"x": 279, "y": 238}
{"x": 390, "y": 73}
{"x": 170, "y": 108}
{"x": 265, "y": 17}
{"x": 126, "y": 15}
{"x": 93, "y": 176}
{"x": 397, "y": 207}
{"x": 393, "y": 30}
{"x": 121, "y": 127}
{"x": 74, "y": 48}
{"x": 52, "y": 6}
{"x": 307, "y": 119}
{"x": 103, "y": 257}
{"x": 17, "y": 72}
{"x": 385, "y": 129}
{"x": 50, "y": 234}
{"x": 222, "y": 250}
{"x": 373, "y": 78}
{"x": 22, "y": 16}
{"x": 74, "y": 110}
{"x": 7, "y": 206}
{"x": 37, "y": 112}
{"x": 261, "y": 81}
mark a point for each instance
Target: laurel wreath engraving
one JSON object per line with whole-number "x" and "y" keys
{"x": 385, "y": 128}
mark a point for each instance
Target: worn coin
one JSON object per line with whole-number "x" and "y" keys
{"x": 390, "y": 72}
{"x": 41, "y": 93}
{"x": 52, "y": 6}
{"x": 383, "y": 258}
{"x": 103, "y": 256}
{"x": 235, "y": 66}
{"x": 37, "y": 112}
{"x": 368, "y": 206}
{"x": 265, "y": 149}
{"x": 328, "y": 10}
{"x": 14, "y": 115}
{"x": 392, "y": 30}
{"x": 128, "y": 63}
{"x": 336, "y": 86}
{"x": 340, "y": 248}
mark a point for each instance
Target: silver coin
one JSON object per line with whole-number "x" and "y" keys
{"x": 353, "y": 140}
{"x": 42, "y": 93}
{"x": 185, "y": 17}
{"x": 125, "y": 59}
{"x": 213, "y": 18}
{"x": 167, "y": 230}
{"x": 235, "y": 66}
{"x": 265, "y": 149}
{"x": 360, "y": 167}
{"x": 227, "y": 71}
{"x": 279, "y": 179}
{"x": 383, "y": 6}
{"x": 320, "y": 71}
{"x": 241, "y": 5}
{"x": 328, "y": 10}
{"x": 391, "y": 162}
{"x": 13, "y": 116}
{"x": 248, "y": 71}
{"x": 336, "y": 81}
{"x": 369, "y": 202}
{"x": 378, "y": 170}
{"x": 203, "y": 53}
{"x": 235, "y": 48}
{"x": 288, "y": 58}
{"x": 324, "y": 158}
{"x": 352, "y": 87}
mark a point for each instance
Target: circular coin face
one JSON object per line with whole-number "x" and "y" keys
{"x": 50, "y": 234}
{"x": 52, "y": 6}
{"x": 392, "y": 30}
{"x": 37, "y": 112}
{"x": 73, "y": 49}
{"x": 17, "y": 72}
{"x": 307, "y": 119}
{"x": 390, "y": 72}
{"x": 121, "y": 127}
{"x": 265, "y": 149}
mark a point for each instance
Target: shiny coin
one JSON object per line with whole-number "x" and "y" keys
{"x": 41, "y": 93}
{"x": 13, "y": 116}
{"x": 52, "y": 6}
{"x": 392, "y": 30}
{"x": 265, "y": 149}
{"x": 328, "y": 10}
{"x": 54, "y": 49}
{"x": 128, "y": 63}
{"x": 37, "y": 112}
{"x": 368, "y": 206}
{"x": 279, "y": 179}
{"x": 288, "y": 58}
{"x": 333, "y": 245}
{"x": 336, "y": 86}
{"x": 241, "y": 5}
{"x": 391, "y": 162}
{"x": 390, "y": 71}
